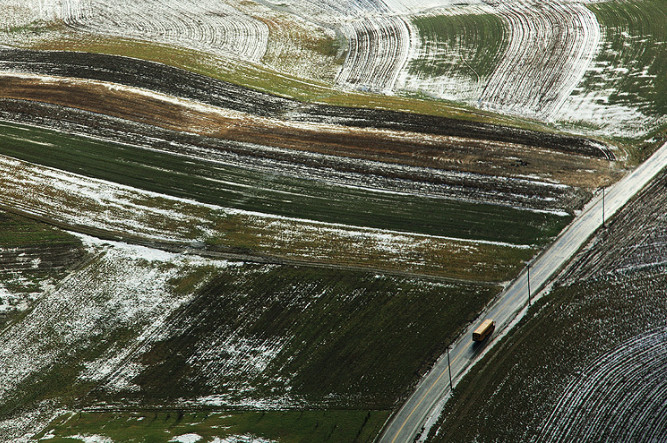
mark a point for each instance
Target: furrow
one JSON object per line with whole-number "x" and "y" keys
{"x": 550, "y": 47}
{"x": 378, "y": 51}
{"x": 213, "y": 27}
{"x": 617, "y": 398}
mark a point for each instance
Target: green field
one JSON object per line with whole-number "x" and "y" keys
{"x": 20, "y": 232}
{"x": 466, "y": 44}
{"x": 634, "y": 55}
{"x": 245, "y": 189}
{"x": 349, "y": 339}
{"x": 284, "y": 426}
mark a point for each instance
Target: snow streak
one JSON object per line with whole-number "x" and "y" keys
{"x": 209, "y": 26}
{"x": 378, "y": 51}
{"x": 620, "y": 397}
{"x": 551, "y": 45}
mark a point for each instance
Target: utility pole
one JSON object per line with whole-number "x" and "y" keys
{"x": 528, "y": 279}
{"x": 603, "y": 207}
{"x": 449, "y": 369}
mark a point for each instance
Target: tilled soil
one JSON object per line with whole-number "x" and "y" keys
{"x": 177, "y": 82}
{"x": 636, "y": 239}
{"x": 589, "y": 363}
{"x": 389, "y": 146}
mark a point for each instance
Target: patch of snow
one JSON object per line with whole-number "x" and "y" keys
{"x": 187, "y": 438}
{"x": 241, "y": 439}
{"x": 91, "y": 438}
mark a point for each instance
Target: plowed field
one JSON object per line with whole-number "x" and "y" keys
{"x": 596, "y": 371}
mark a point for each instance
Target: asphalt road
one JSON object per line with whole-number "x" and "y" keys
{"x": 434, "y": 387}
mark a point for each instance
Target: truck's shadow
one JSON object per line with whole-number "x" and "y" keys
{"x": 478, "y": 346}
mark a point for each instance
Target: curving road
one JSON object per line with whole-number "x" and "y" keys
{"x": 432, "y": 390}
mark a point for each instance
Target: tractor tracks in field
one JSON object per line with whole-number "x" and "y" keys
{"x": 209, "y": 26}
{"x": 626, "y": 384}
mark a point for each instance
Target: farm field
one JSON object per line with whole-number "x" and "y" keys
{"x": 26, "y": 267}
{"x": 267, "y": 221}
{"x": 401, "y": 54}
{"x": 113, "y": 211}
{"x": 596, "y": 372}
{"x": 227, "y": 334}
{"x": 302, "y": 426}
{"x": 247, "y": 190}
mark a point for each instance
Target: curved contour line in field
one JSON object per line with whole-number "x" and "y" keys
{"x": 213, "y": 27}
{"x": 620, "y": 397}
{"x": 379, "y": 48}
{"x": 551, "y": 44}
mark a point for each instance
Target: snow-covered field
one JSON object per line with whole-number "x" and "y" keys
{"x": 551, "y": 49}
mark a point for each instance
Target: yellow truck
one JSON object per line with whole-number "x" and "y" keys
{"x": 484, "y": 330}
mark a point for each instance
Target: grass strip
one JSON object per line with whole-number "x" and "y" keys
{"x": 283, "y": 426}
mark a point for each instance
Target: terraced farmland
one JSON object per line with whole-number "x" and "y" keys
{"x": 221, "y": 216}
